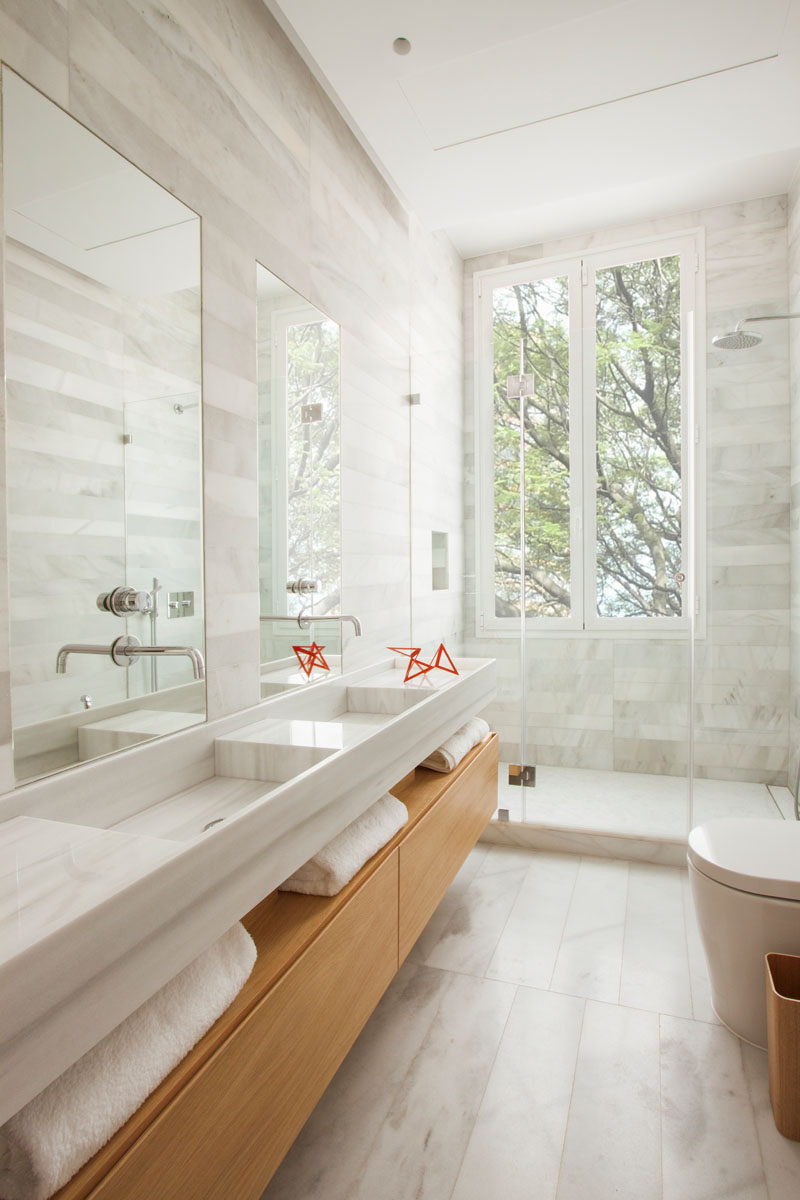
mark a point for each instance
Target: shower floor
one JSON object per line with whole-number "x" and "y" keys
{"x": 630, "y": 804}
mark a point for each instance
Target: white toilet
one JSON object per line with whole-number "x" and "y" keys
{"x": 745, "y": 877}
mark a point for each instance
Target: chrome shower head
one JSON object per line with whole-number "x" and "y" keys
{"x": 743, "y": 340}
{"x": 738, "y": 340}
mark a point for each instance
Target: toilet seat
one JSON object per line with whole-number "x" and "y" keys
{"x": 754, "y": 855}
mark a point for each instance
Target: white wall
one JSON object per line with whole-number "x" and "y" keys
{"x": 213, "y": 102}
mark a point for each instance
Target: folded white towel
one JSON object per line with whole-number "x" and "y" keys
{"x": 451, "y": 752}
{"x": 327, "y": 872}
{"x": 46, "y": 1142}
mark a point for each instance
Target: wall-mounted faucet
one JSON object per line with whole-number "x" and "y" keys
{"x": 304, "y": 622}
{"x": 125, "y": 651}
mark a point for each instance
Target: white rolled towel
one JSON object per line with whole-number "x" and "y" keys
{"x": 47, "y": 1141}
{"x": 335, "y": 865}
{"x": 451, "y": 752}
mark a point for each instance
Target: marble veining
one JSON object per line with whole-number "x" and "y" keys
{"x": 631, "y": 1091}
{"x": 194, "y": 812}
{"x": 52, "y": 872}
{"x": 114, "y": 733}
{"x": 61, "y": 994}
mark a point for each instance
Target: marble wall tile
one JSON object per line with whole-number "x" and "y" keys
{"x": 215, "y": 104}
{"x": 34, "y": 39}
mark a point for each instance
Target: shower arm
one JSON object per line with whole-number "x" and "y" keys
{"x": 777, "y": 317}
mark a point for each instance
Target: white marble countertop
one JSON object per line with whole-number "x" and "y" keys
{"x": 52, "y": 872}
{"x": 106, "y": 893}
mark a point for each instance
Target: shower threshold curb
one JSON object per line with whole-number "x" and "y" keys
{"x": 668, "y": 852}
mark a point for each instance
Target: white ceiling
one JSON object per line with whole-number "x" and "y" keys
{"x": 519, "y": 120}
{"x": 70, "y": 196}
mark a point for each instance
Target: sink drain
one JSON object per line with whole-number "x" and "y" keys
{"x": 216, "y": 821}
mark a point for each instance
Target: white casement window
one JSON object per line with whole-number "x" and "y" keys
{"x": 587, "y": 432}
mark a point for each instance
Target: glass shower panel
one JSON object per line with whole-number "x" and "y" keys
{"x": 530, "y": 331}
{"x": 639, "y": 457}
{"x": 532, "y": 489}
{"x": 163, "y": 531}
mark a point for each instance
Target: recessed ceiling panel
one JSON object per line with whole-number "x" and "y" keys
{"x": 597, "y": 59}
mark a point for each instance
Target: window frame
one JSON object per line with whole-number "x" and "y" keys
{"x": 581, "y": 270}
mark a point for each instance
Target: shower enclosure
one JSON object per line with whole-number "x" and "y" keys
{"x": 633, "y": 574}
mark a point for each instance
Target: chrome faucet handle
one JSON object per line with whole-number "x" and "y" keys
{"x": 302, "y": 587}
{"x": 125, "y": 600}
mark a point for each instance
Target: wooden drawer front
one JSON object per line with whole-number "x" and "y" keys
{"x": 226, "y": 1133}
{"x": 435, "y": 849}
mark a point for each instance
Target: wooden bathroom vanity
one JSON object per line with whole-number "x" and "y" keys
{"x": 219, "y": 1125}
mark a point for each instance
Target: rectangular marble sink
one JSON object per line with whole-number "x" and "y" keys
{"x": 281, "y": 750}
{"x": 198, "y": 810}
{"x": 130, "y": 728}
{"x": 388, "y": 692}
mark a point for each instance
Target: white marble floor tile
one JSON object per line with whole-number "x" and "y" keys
{"x": 449, "y": 903}
{"x": 418, "y": 1151}
{"x": 327, "y": 1159}
{"x": 468, "y": 940}
{"x": 528, "y": 947}
{"x": 612, "y": 1145}
{"x": 589, "y": 960}
{"x": 710, "y": 1146}
{"x": 517, "y": 1141}
{"x": 504, "y": 858}
{"x": 655, "y": 964}
{"x": 780, "y": 1156}
{"x": 698, "y": 968}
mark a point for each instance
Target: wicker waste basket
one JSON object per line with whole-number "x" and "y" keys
{"x": 783, "y": 1041}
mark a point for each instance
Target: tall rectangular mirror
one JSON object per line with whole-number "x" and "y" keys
{"x": 299, "y": 504}
{"x": 103, "y": 406}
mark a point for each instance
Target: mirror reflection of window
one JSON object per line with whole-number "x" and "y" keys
{"x": 309, "y": 370}
{"x": 103, "y": 373}
{"x": 299, "y": 472}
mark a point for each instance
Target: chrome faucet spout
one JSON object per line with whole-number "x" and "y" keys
{"x": 125, "y": 651}
{"x": 190, "y": 652}
{"x": 76, "y": 648}
{"x": 306, "y": 617}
